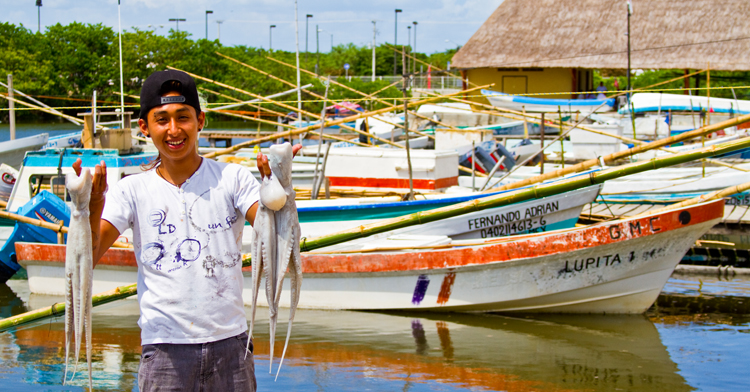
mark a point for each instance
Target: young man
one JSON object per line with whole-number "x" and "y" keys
{"x": 187, "y": 214}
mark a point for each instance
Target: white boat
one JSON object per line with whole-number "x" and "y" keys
{"x": 72, "y": 139}
{"x": 517, "y": 102}
{"x": 655, "y": 102}
{"x": 13, "y": 151}
{"x": 613, "y": 267}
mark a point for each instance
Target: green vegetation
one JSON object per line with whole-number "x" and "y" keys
{"x": 651, "y": 77}
{"x": 65, "y": 64}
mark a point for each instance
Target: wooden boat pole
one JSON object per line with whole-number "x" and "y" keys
{"x": 584, "y": 128}
{"x": 424, "y": 63}
{"x": 535, "y": 192}
{"x": 720, "y": 194}
{"x": 371, "y": 96}
{"x": 42, "y": 104}
{"x": 314, "y": 195}
{"x": 58, "y": 228}
{"x": 519, "y": 195}
{"x": 58, "y": 309}
{"x": 290, "y": 133}
{"x": 50, "y": 111}
{"x": 626, "y": 153}
{"x": 264, "y": 73}
{"x": 328, "y": 123}
{"x": 239, "y": 100}
{"x": 406, "y": 125}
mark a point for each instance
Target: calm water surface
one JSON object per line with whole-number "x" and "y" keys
{"x": 672, "y": 348}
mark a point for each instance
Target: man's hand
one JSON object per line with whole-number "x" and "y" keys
{"x": 98, "y": 183}
{"x": 264, "y": 168}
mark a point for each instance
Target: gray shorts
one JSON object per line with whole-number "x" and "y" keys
{"x": 214, "y": 366}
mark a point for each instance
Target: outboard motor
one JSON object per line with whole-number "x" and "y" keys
{"x": 44, "y": 206}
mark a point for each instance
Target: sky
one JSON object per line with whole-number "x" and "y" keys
{"x": 442, "y": 24}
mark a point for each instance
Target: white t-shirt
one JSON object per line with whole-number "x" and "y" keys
{"x": 187, "y": 243}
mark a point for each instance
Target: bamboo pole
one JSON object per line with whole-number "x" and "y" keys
{"x": 424, "y": 63}
{"x": 264, "y": 73}
{"x": 371, "y": 96}
{"x": 239, "y": 100}
{"x": 587, "y": 129}
{"x": 327, "y": 123}
{"x": 626, "y": 153}
{"x": 47, "y": 225}
{"x": 290, "y": 133}
{"x": 720, "y": 194}
{"x": 519, "y": 195}
{"x": 535, "y": 192}
{"x": 58, "y": 309}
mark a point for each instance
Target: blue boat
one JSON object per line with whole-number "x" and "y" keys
{"x": 520, "y": 103}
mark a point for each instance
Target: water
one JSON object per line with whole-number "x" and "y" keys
{"x": 665, "y": 350}
{"x": 26, "y": 130}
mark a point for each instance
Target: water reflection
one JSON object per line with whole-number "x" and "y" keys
{"x": 335, "y": 350}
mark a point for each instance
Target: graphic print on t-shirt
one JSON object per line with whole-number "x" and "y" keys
{"x": 213, "y": 212}
{"x": 170, "y": 252}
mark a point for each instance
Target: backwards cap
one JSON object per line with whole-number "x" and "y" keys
{"x": 159, "y": 83}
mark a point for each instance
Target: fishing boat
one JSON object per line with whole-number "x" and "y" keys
{"x": 612, "y": 267}
{"x": 659, "y": 102}
{"x": 530, "y": 104}
{"x": 46, "y": 170}
{"x": 321, "y": 217}
{"x": 13, "y": 151}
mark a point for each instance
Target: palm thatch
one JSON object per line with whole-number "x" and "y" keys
{"x": 666, "y": 34}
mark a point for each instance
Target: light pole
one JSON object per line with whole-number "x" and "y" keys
{"x": 317, "y": 49}
{"x": 408, "y": 42}
{"x": 395, "y": 39}
{"x": 177, "y": 20}
{"x": 307, "y": 18}
{"x": 207, "y": 12}
{"x": 270, "y": 37}
{"x": 630, "y": 11}
{"x": 374, "y": 32}
{"x": 38, "y": 16}
{"x": 331, "y": 40}
{"x": 414, "y": 48}
{"x": 218, "y": 29}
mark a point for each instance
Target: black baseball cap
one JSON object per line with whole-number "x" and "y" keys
{"x": 160, "y": 83}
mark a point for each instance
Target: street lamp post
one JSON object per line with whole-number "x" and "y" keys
{"x": 218, "y": 29}
{"x": 307, "y": 18}
{"x": 331, "y": 41}
{"x": 630, "y": 11}
{"x": 38, "y": 16}
{"x": 177, "y": 20}
{"x": 408, "y": 42}
{"x": 270, "y": 37}
{"x": 414, "y": 48}
{"x": 317, "y": 49}
{"x": 374, "y": 32}
{"x": 395, "y": 38}
{"x": 207, "y": 12}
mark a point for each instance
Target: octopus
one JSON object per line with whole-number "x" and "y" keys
{"x": 276, "y": 246}
{"x": 79, "y": 271}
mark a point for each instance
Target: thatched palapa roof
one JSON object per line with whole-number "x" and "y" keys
{"x": 666, "y": 34}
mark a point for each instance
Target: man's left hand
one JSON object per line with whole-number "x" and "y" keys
{"x": 264, "y": 168}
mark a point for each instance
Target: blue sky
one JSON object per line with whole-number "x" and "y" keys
{"x": 442, "y": 24}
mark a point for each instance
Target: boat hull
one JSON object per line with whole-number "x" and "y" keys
{"x": 614, "y": 267}
{"x": 540, "y": 105}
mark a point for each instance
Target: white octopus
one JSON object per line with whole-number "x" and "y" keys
{"x": 79, "y": 272}
{"x": 277, "y": 241}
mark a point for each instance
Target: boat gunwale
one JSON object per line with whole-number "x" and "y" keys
{"x": 525, "y": 247}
